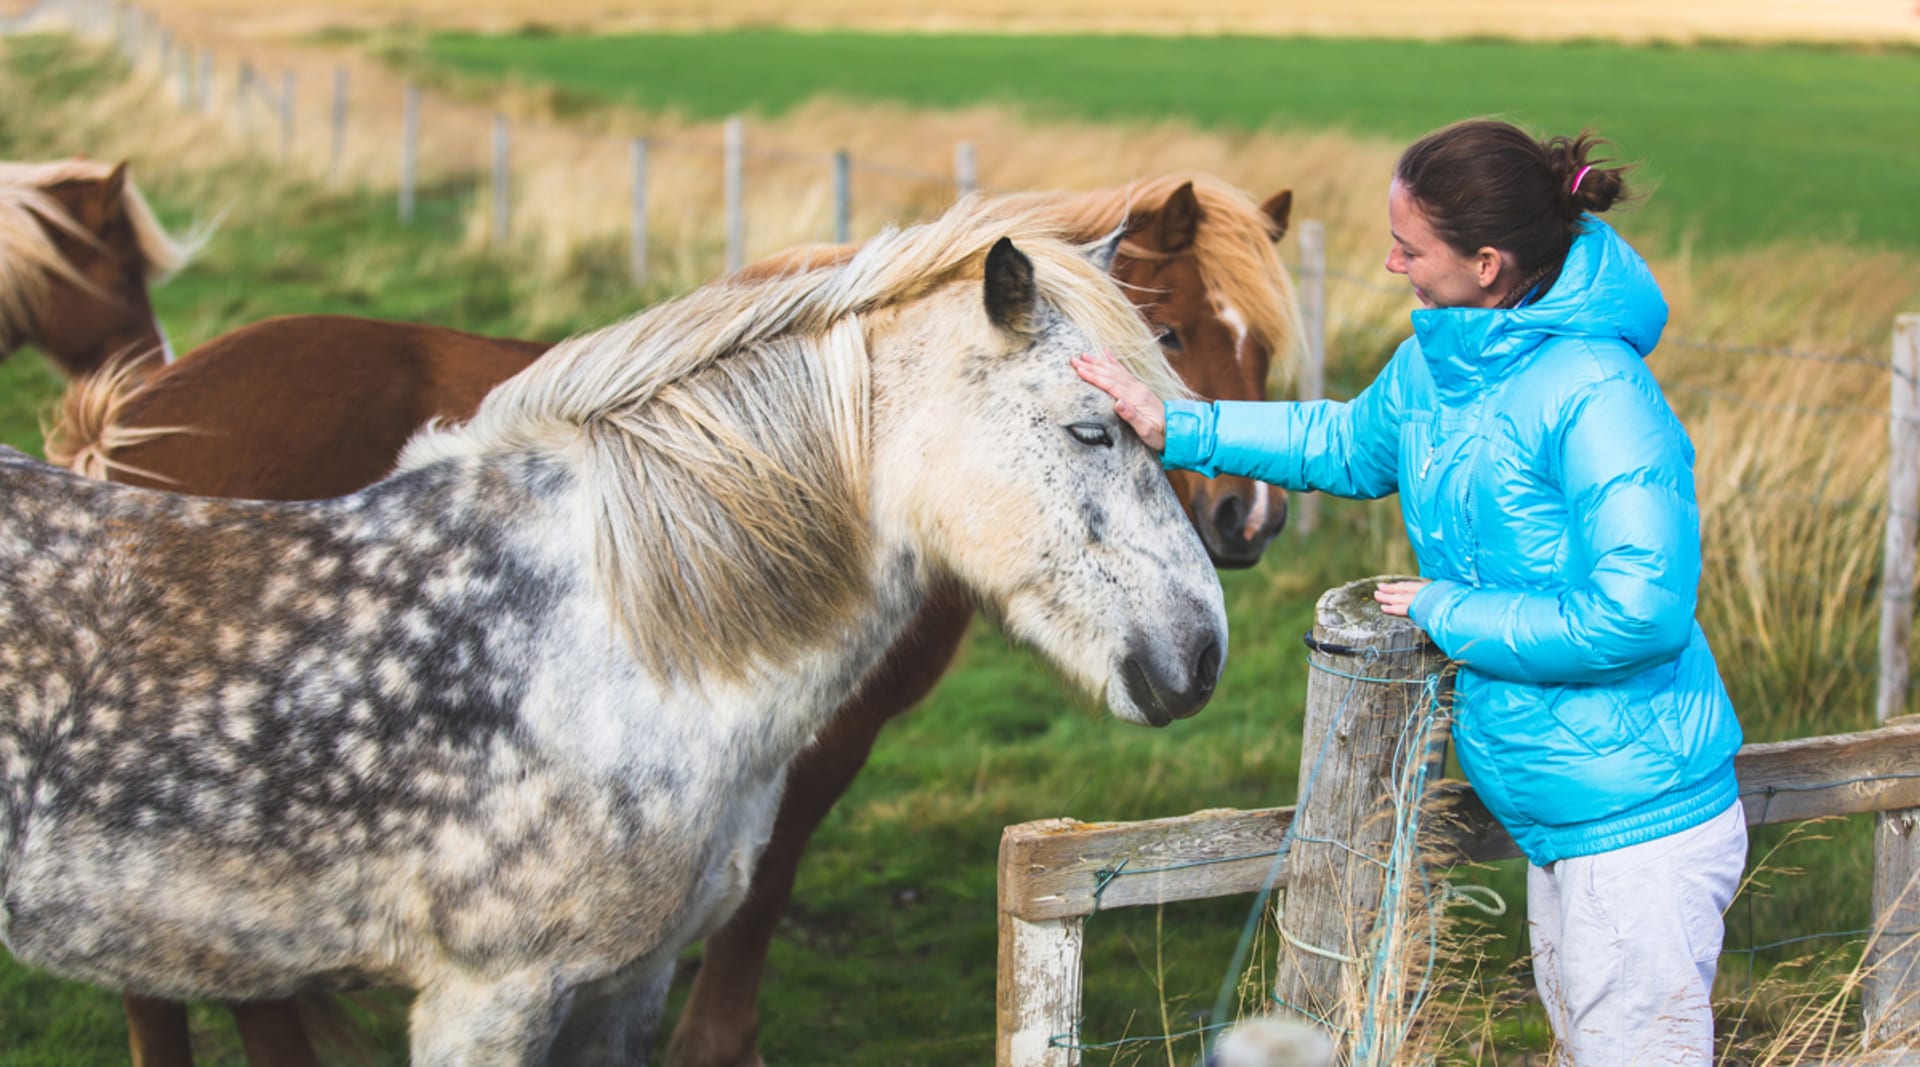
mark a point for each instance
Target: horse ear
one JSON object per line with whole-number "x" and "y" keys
{"x": 1179, "y": 219}
{"x": 114, "y": 183}
{"x": 1102, "y": 253}
{"x": 109, "y": 194}
{"x": 1279, "y": 212}
{"x": 1013, "y": 301}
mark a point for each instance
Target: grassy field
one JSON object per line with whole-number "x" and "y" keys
{"x": 888, "y": 955}
{"x": 1744, "y": 144}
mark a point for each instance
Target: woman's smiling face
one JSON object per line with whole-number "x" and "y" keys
{"x": 1441, "y": 277}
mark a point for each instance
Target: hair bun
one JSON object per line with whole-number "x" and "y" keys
{"x": 1584, "y": 182}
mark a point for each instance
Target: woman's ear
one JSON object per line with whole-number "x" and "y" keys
{"x": 1487, "y": 265}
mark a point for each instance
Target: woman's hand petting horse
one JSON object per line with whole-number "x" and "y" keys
{"x": 1133, "y": 401}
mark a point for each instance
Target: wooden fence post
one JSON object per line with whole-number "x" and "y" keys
{"x": 736, "y": 154}
{"x": 337, "y": 141}
{"x": 409, "y": 152}
{"x": 842, "y": 197}
{"x": 1038, "y": 989}
{"x": 637, "y": 238}
{"x": 502, "y": 193}
{"x": 966, "y": 169}
{"x": 1372, "y": 674}
{"x": 203, "y": 87}
{"x": 242, "y": 88}
{"x": 1890, "y": 997}
{"x": 287, "y": 83}
{"x": 1303, "y": 509}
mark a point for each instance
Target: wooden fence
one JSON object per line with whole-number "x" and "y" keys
{"x": 1055, "y": 873}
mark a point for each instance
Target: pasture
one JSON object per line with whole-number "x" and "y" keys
{"x": 887, "y": 955}
{"x": 1744, "y": 144}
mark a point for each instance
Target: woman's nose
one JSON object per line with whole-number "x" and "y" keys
{"x": 1394, "y": 263}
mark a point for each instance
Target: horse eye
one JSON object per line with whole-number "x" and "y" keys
{"x": 1167, "y": 337}
{"x": 1091, "y": 433}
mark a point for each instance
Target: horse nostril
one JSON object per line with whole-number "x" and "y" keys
{"x": 1207, "y": 671}
{"x": 1228, "y": 515}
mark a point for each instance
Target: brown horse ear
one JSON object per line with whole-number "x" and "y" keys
{"x": 1179, "y": 219}
{"x": 1279, "y": 212}
{"x": 112, "y": 188}
{"x": 1013, "y": 301}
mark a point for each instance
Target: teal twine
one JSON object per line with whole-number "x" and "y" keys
{"x": 1059, "y": 1040}
{"x": 1314, "y": 1015}
{"x": 1400, "y": 855}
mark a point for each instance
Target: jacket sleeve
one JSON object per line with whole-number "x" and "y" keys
{"x": 1349, "y": 448}
{"x": 1627, "y": 471}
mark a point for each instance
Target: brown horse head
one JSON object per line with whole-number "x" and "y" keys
{"x": 78, "y": 246}
{"x": 1198, "y": 260}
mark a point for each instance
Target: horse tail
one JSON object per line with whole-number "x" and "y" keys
{"x": 336, "y": 1031}
{"x": 88, "y": 424}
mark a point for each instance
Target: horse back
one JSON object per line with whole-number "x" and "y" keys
{"x": 168, "y": 660}
{"x": 306, "y": 406}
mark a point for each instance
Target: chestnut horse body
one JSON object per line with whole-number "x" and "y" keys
{"x": 313, "y": 406}
{"x": 78, "y": 247}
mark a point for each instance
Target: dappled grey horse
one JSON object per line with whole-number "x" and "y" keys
{"x": 509, "y": 727}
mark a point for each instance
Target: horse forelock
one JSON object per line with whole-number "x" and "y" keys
{"x": 1233, "y": 248}
{"x": 722, "y": 437}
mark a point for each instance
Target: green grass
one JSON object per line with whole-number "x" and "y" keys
{"x": 1744, "y": 143}
{"x": 888, "y": 954}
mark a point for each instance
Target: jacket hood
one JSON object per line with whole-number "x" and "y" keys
{"x": 1605, "y": 292}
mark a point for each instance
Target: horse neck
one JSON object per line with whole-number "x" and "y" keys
{"x": 140, "y": 346}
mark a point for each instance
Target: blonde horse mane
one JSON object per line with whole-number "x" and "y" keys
{"x": 29, "y": 259}
{"x": 1234, "y": 248}
{"x": 724, "y": 434}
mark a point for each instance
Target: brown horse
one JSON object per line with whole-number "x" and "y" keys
{"x": 314, "y": 406}
{"x": 78, "y": 247}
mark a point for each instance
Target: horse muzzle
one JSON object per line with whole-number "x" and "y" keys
{"x": 1164, "y": 685}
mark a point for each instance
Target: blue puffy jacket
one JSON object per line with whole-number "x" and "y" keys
{"x": 1548, "y": 491}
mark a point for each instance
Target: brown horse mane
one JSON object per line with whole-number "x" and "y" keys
{"x": 1233, "y": 247}
{"x": 29, "y": 259}
{"x": 723, "y": 436}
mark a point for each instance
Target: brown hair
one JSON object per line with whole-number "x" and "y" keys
{"x": 1486, "y": 183}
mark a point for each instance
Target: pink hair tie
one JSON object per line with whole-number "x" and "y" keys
{"x": 1577, "y": 178}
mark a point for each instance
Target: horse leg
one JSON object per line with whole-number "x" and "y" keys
{"x": 508, "y": 1021}
{"x": 272, "y": 1033}
{"x": 614, "y": 1023}
{"x": 720, "y": 1024}
{"x": 157, "y": 1032}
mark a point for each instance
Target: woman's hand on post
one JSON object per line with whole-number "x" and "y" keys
{"x": 1132, "y": 400}
{"x": 1396, "y": 598}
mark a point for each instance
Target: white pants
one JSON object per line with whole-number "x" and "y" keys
{"x": 1625, "y": 944}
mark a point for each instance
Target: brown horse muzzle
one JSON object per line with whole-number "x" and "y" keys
{"x": 1237, "y": 518}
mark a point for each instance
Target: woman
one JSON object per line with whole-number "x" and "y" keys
{"x": 1548, "y": 492}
